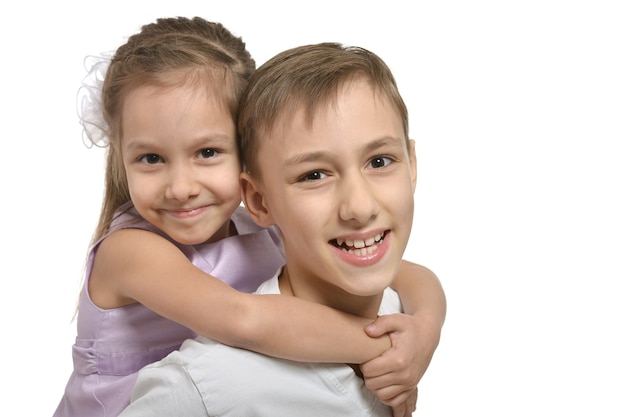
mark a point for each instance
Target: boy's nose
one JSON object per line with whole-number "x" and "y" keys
{"x": 358, "y": 200}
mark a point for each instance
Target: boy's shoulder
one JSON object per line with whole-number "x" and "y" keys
{"x": 390, "y": 303}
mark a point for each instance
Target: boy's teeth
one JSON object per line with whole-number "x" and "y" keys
{"x": 358, "y": 243}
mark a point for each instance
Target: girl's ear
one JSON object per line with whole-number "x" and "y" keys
{"x": 253, "y": 198}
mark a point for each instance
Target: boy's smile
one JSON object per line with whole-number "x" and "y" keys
{"x": 361, "y": 251}
{"x": 340, "y": 189}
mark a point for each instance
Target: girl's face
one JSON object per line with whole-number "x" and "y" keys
{"x": 181, "y": 161}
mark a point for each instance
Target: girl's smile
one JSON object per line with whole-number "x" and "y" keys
{"x": 186, "y": 213}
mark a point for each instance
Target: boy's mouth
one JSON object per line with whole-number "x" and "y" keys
{"x": 359, "y": 247}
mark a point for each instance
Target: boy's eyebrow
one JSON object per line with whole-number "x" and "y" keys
{"x": 307, "y": 157}
{"x": 320, "y": 155}
{"x": 383, "y": 141}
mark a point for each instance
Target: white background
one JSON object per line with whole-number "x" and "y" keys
{"x": 519, "y": 113}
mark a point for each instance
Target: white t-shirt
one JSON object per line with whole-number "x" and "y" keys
{"x": 207, "y": 378}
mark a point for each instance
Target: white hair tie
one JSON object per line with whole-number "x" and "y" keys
{"x": 89, "y": 101}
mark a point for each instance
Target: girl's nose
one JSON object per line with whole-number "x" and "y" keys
{"x": 181, "y": 184}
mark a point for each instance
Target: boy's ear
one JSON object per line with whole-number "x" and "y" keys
{"x": 413, "y": 163}
{"x": 254, "y": 199}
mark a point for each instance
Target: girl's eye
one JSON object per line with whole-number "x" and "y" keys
{"x": 380, "y": 162}
{"x": 312, "y": 176}
{"x": 150, "y": 159}
{"x": 207, "y": 153}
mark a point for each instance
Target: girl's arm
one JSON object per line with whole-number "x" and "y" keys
{"x": 133, "y": 265}
{"x": 393, "y": 376}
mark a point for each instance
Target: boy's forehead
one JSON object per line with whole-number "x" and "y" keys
{"x": 356, "y": 111}
{"x": 305, "y": 112}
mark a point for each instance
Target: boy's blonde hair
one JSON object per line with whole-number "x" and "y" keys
{"x": 307, "y": 77}
{"x": 168, "y": 53}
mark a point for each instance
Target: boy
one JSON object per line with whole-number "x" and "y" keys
{"x": 327, "y": 159}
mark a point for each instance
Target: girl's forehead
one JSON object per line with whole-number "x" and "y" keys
{"x": 187, "y": 94}
{"x": 156, "y": 112}
{"x": 211, "y": 81}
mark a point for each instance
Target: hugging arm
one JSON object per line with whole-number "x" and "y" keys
{"x": 394, "y": 375}
{"x": 134, "y": 265}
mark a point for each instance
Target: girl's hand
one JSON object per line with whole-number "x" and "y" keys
{"x": 394, "y": 375}
{"x": 406, "y": 409}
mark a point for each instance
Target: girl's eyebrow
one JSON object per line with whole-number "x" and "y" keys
{"x": 211, "y": 139}
{"x": 134, "y": 145}
{"x": 202, "y": 140}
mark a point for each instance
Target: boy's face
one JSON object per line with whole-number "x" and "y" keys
{"x": 341, "y": 192}
{"x": 181, "y": 161}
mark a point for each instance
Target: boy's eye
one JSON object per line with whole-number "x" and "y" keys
{"x": 207, "y": 153}
{"x": 380, "y": 161}
{"x": 312, "y": 176}
{"x": 150, "y": 158}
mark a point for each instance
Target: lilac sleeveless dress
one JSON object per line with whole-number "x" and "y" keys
{"x": 112, "y": 345}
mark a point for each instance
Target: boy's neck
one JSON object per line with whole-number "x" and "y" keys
{"x": 362, "y": 306}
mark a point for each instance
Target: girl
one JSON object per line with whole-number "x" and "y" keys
{"x": 171, "y": 215}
